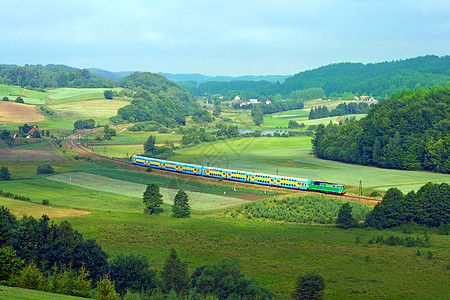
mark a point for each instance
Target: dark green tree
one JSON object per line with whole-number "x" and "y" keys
{"x": 19, "y": 100}
{"x": 181, "y": 208}
{"x": 175, "y": 275}
{"x": 89, "y": 254}
{"x": 108, "y": 94}
{"x": 226, "y": 281}
{"x": 389, "y": 212}
{"x": 133, "y": 273}
{"x": 152, "y": 199}
{"x": 5, "y": 98}
{"x": 149, "y": 144}
{"x": 7, "y": 222}
{"x": 44, "y": 169}
{"x": 217, "y": 111}
{"x": 257, "y": 115}
{"x": 345, "y": 219}
{"x": 309, "y": 286}
{"x": 4, "y": 173}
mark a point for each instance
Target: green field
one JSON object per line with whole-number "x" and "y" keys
{"x": 198, "y": 201}
{"x": 275, "y": 253}
{"x": 292, "y": 157}
{"x": 28, "y": 96}
{"x": 13, "y": 293}
{"x": 41, "y": 151}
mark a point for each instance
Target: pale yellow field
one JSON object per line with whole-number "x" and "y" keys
{"x": 17, "y": 113}
{"x": 89, "y": 108}
{"x": 21, "y": 208}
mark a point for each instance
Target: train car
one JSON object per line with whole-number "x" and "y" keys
{"x": 327, "y": 187}
{"x": 240, "y": 176}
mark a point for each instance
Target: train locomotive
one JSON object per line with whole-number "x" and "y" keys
{"x": 240, "y": 176}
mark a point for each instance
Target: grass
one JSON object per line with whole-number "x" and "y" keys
{"x": 273, "y": 252}
{"x": 17, "y": 113}
{"x": 198, "y": 201}
{"x": 276, "y": 253}
{"x": 21, "y": 208}
{"x": 28, "y": 96}
{"x": 14, "y": 293}
{"x": 41, "y": 151}
{"x": 88, "y": 108}
{"x": 292, "y": 157}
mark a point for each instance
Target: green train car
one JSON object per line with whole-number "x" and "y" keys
{"x": 326, "y": 187}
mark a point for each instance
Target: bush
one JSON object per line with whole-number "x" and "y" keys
{"x": 4, "y": 173}
{"x": 45, "y": 202}
{"x": 374, "y": 194}
{"x": 345, "y": 219}
{"x": 45, "y": 169}
{"x": 309, "y": 286}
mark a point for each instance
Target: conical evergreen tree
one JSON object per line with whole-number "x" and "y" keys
{"x": 181, "y": 208}
{"x": 152, "y": 198}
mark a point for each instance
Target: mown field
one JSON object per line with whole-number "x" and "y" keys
{"x": 17, "y": 113}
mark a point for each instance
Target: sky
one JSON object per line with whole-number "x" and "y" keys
{"x": 233, "y": 38}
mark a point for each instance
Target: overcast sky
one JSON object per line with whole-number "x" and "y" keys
{"x": 220, "y": 37}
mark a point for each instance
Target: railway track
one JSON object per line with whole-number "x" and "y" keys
{"x": 73, "y": 143}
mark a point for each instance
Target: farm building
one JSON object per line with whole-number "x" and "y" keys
{"x": 31, "y": 132}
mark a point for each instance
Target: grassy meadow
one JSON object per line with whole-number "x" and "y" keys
{"x": 103, "y": 200}
{"x": 13, "y": 293}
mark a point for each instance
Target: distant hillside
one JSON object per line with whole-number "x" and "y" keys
{"x": 156, "y": 99}
{"x": 200, "y": 78}
{"x": 51, "y": 76}
{"x": 377, "y": 79}
{"x": 117, "y": 76}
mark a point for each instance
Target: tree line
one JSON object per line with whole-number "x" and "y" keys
{"x": 51, "y": 76}
{"x": 342, "y": 109}
{"x": 336, "y": 80}
{"x": 407, "y": 131}
{"x": 430, "y": 206}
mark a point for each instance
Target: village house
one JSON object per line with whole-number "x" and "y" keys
{"x": 30, "y": 133}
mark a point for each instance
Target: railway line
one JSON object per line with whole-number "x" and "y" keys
{"x": 72, "y": 141}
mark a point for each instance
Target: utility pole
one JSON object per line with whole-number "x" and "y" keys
{"x": 360, "y": 188}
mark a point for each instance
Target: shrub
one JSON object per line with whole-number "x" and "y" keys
{"x": 45, "y": 202}
{"x": 4, "y": 173}
{"x": 374, "y": 194}
{"x": 45, "y": 169}
{"x": 309, "y": 286}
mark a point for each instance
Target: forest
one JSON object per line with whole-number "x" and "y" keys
{"x": 407, "y": 131}
{"x": 374, "y": 79}
{"x": 52, "y": 76}
{"x": 155, "y": 99}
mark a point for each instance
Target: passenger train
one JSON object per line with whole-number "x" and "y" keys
{"x": 240, "y": 176}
